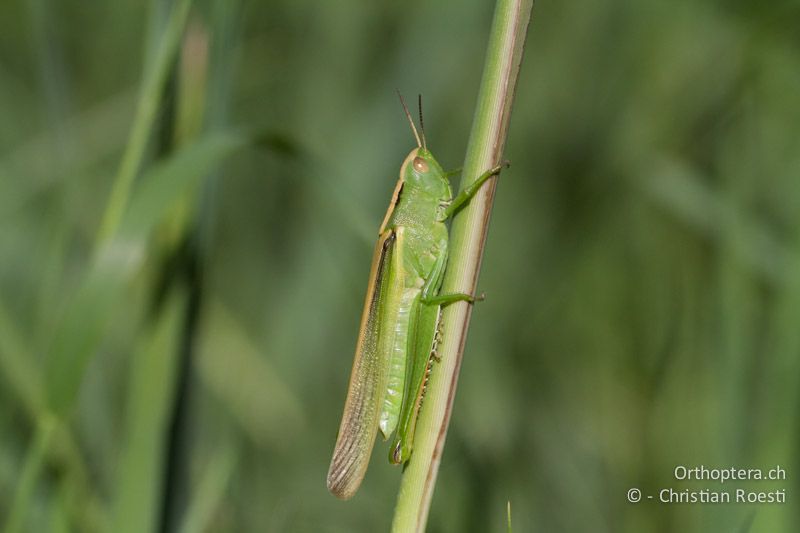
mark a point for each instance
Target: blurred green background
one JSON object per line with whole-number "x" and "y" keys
{"x": 184, "y": 367}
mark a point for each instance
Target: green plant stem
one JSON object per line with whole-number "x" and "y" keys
{"x": 23, "y": 380}
{"x": 30, "y": 474}
{"x": 468, "y": 235}
{"x": 146, "y": 111}
{"x": 150, "y": 395}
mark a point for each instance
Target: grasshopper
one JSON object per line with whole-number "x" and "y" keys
{"x": 402, "y": 318}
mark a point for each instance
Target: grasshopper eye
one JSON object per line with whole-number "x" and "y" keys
{"x": 420, "y": 165}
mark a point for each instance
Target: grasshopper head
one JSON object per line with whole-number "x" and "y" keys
{"x": 422, "y": 171}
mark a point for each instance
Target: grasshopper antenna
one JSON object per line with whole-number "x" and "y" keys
{"x": 410, "y": 120}
{"x": 421, "y": 123}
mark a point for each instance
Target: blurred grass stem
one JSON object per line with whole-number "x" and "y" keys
{"x": 146, "y": 111}
{"x": 30, "y": 473}
{"x": 468, "y": 235}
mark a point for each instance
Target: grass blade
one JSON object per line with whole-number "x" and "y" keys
{"x": 150, "y": 396}
{"x": 30, "y": 473}
{"x": 146, "y": 112}
{"x": 87, "y": 313}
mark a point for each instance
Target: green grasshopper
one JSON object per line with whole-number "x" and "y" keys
{"x": 401, "y": 322}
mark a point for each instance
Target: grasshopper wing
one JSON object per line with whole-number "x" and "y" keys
{"x": 368, "y": 378}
